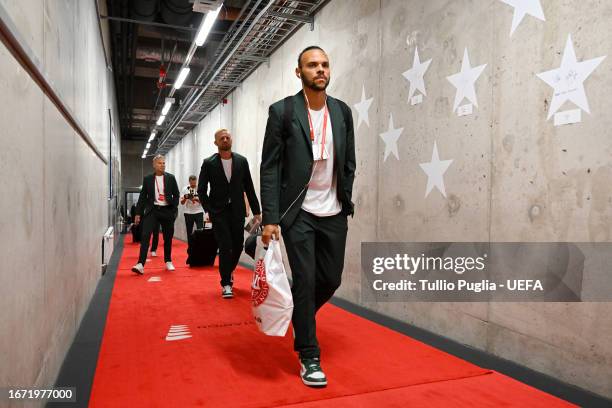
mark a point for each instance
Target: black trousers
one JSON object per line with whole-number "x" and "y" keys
{"x": 229, "y": 232}
{"x": 315, "y": 250}
{"x": 155, "y": 240}
{"x": 159, "y": 215}
{"x": 190, "y": 219}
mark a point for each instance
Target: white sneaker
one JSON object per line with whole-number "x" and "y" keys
{"x": 138, "y": 269}
{"x": 153, "y": 253}
{"x": 227, "y": 292}
{"x": 311, "y": 372}
{"x": 169, "y": 266}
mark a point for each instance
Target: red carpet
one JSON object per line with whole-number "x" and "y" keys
{"x": 227, "y": 363}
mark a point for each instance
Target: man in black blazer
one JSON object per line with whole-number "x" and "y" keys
{"x": 157, "y": 204}
{"x": 307, "y": 173}
{"x": 230, "y": 178}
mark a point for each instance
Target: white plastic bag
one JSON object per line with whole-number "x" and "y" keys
{"x": 271, "y": 293}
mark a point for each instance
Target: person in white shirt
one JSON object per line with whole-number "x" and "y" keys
{"x": 194, "y": 213}
{"x": 306, "y": 178}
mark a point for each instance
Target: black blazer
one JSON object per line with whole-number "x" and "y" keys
{"x": 287, "y": 159}
{"x": 221, "y": 192}
{"x": 146, "y": 199}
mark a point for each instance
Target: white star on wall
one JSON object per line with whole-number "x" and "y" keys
{"x": 362, "y": 108}
{"x": 390, "y": 138}
{"x": 464, "y": 81}
{"x": 522, "y": 8}
{"x": 435, "y": 170}
{"x": 568, "y": 80}
{"x": 415, "y": 75}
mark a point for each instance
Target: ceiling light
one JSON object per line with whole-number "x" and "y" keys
{"x": 181, "y": 78}
{"x": 144, "y": 156}
{"x": 148, "y": 145}
{"x": 205, "y": 27}
{"x": 161, "y": 120}
{"x": 167, "y": 106}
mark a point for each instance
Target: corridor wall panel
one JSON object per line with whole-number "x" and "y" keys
{"x": 57, "y": 203}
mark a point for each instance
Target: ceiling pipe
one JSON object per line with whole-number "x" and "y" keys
{"x": 154, "y": 54}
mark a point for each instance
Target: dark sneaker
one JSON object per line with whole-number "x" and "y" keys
{"x": 311, "y": 372}
{"x": 227, "y": 293}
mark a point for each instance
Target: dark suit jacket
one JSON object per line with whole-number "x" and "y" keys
{"x": 146, "y": 199}
{"x": 221, "y": 192}
{"x": 287, "y": 159}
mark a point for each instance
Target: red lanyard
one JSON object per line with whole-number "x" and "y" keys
{"x": 312, "y": 138}
{"x": 163, "y": 184}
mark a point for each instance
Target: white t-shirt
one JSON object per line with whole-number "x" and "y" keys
{"x": 160, "y": 188}
{"x": 190, "y": 206}
{"x": 321, "y": 199}
{"x": 227, "y": 168}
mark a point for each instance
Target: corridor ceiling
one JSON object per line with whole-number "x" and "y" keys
{"x": 149, "y": 37}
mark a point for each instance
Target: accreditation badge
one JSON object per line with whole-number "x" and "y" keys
{"x": 319, "y": 152}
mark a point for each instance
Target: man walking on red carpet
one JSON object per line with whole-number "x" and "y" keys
{"x": 157, "y": 205}
{"x": 230, "y": 178}
{"x": 307, "y": 173}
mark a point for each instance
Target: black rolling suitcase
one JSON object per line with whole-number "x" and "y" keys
{"x": 136, "y": 233}
{"x": 202, "y": 249}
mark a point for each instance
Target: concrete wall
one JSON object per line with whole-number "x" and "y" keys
{"x": 133, "y": 167}
{"x": 508, "y": 158}
{"x": 56, "y": 206}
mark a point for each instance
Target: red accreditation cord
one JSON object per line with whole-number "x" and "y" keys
{"x": 324, "y": 132}
{"x": 162, "y": 197}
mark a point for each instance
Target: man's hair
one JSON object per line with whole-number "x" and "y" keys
{"x": 158, "y": 157}
{"x": 220, "y": 131}
{"x": 192, "y": 177}
{"x": 312, "y": 47}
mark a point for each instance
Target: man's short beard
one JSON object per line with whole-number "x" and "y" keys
{"x": 313, "y": 85}
{"x": 225, "y": 149}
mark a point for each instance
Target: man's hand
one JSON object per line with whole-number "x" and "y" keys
{"x": 270, "y": 231}
{"x": 137, "y": 219}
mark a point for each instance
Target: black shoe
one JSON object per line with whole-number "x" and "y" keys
{"x": 311, "y": 372}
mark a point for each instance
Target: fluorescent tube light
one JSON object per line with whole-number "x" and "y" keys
{"x": 181, "y": 78}
{"x": 206, "y": 25}
{"x": 166, "y": 107}
{"x": 161, "y": 120}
